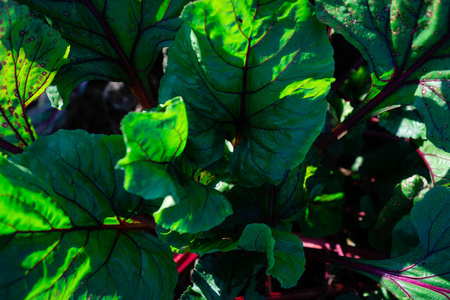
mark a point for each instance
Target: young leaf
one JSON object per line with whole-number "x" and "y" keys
{"x": 438, "y": 163}
{"x": 422, "y": 273}
{"x": 66, "y": 227}
{"x": 254, "y": 73}
{"x": 224, "y": 277}
{"x": 112, "y": 40}
{"x": 154, "y": 140}
{"x": 405, "y": 195}
{"x": 407, "y": 47}
{"x": 285, "y": 258}
{"x": 30, "y": 55}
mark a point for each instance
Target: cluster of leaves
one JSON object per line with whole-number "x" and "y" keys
{"x": 223, "y": 164}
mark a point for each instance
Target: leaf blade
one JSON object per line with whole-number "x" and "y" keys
{"x": 55, "y": 218}
{"x": 258, "y": 78}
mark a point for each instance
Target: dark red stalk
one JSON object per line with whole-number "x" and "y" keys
{"x": 363, "y": 112}
{"x": 10, "y": 147}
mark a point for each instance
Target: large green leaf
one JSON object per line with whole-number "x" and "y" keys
{"x": 407, "y": 45}
{"x": 30, "y": 55}
{"x": 66, "y": 227}
{"x": 422, "y": 273}
{"x": 112, "y": 40}
{"x": 256, "y": 74}
{"x": 154, "y": 141}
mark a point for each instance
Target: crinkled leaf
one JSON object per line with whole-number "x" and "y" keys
{"x": 154, "y": 140}
{"x": 224, "y": 277}
{"x": 438, "y": 163}
{"x": 422, "y": 273}
{"x": 254, "y": 73}
{"x": 404, "y": 122}
{"x": 406, "y": 193}
{"x": 66, "y": 227}
{"x": 30, "y": 55}
{"x": 111, "y": 40}
{"x": 407, "y": 45}
{"x": 284, "y": 251}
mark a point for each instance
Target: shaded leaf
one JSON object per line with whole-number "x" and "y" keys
{"x": 31, "y": 53}
{"x": 269, "y": 204}
{"x": 111, "y": 40}
{"x": 405, "y": 195}
{"x": 284, "y": 251}
{"x": 422, "y": 273}
{"x": 224, "y": 277}
{"x": 404, "y": 237}
{"x": 407, "y": 45}
{"x": 66, "y": 227}
{"x": 240, "y": 85}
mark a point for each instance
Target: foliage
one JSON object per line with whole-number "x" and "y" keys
{"x": 236, "y": 159}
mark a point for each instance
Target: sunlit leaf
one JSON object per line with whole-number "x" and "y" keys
{"x": 256, "y": 74}
{"x": 66, "y": 227}
{"x": 438, "y": 163}
{"x": 407, "y": 45}
{"x": 111, "y": 40}
{"x": 154, "y": 141}
{"x": 30, "y": 55}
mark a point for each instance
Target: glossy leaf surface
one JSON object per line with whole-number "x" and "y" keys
{"x": 407, "y": 45}
{"x": 154, "y": 140}
{"x": 30, "y": 55}
{"x": 66, "y": 227}
{"x": 422, "y": 273}
{"x": 256, "y": 74}
{"x": 112, "y": 40}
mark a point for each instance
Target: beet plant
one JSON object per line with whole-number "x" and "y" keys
{"x": 261, "y": 148}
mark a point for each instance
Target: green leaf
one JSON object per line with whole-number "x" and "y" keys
{"x": 407, "y": 45}
{"x": 404, "y": 237}
{"x": 422, "y": 273}
{"x": 197, "y": 209}
{"x": 285, "y": 258}
{"x": 405, "y": 195}
{"x": 224, "y": 277}
{"x": 154, "y": 140}
{"x": 269, "y": 204}
{"x": 256, "y": 74}
{"x": 438, "y": 163}
{"x": 111, "y": 40}
{"x": 30, "y": 55}
{"x": 66, "y": 227}
{"x": 404, "y": 122}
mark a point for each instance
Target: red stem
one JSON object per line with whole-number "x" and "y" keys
{"x": 10, "y": 147}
